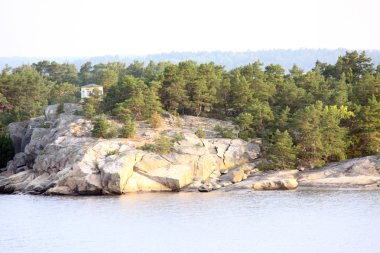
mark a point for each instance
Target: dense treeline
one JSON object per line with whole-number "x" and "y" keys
{"x": 304, "y": 118}
{"x": 305, "y": 58}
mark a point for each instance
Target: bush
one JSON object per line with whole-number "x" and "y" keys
{"x": 122, "y": 114}
{"x": 128, "y": 130}
{"x": 6, "y": 150}
{"x": 112, "y": 131}
{"x": 60, "y": 108}
{"x": 101, "y": 127}
{"x": 225, "y": 132}
{"x": 45, "y": 124}
{"x": 162, "y": 145}
{"x": 89, "y": 111}
{"x": 155, "y": 120}
{"x": 200, "y": 133}
{"x": 178, "y": 137}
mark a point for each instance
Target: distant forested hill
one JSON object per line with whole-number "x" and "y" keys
{"x": 305, "y": 58}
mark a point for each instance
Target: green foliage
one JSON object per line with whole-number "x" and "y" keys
{"x": 45, "y": 124}
{"x": 315, "y": 107}
{"x": 281, "y": 153}
{"x": 366, "y": 130}
{"x": 60, "y": 108}
{"x": 177, "y": 137}
{"x": 6, "y": 149}
{"x": 225, "y": 132}
{"x": 200, "y": 133}
{"x": 162, "y": 145}
{"x": 63, "y": 93}
{"x": 128, "y": 130}
{"x": 101, "y": 127}
{"x": 89, "y": 111}
{"x": 112, "y": 131}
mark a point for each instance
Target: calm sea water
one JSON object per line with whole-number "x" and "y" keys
{"x": 282, "y": 221}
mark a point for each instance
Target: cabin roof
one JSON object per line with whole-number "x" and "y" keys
{"x": 91, "y": 85}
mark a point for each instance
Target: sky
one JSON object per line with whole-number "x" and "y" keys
{"x": 61, "y": 28}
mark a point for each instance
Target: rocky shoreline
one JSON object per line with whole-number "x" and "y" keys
{"x": 57, "y": 156}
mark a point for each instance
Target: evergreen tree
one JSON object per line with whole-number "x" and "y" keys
{"x": 129, "y": 129}
{"x": 101, "y": 127}
{"x": 366, "y": 131}
{"x": 281, "y": 153}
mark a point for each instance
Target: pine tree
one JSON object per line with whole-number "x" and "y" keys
{"x": 89, "y": 111}
{"x": 366, "y": 133}
{"x": 281, "y": 153}
{"x": 129, "y": 129}
{"x": 101, "y": 127}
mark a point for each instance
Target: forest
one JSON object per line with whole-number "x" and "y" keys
{"x": 304, "y": 118}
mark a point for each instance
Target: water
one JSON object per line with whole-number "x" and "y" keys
{"x": 282, "y": 221}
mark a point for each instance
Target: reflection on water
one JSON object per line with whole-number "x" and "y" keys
{"x": 282, "y": 221}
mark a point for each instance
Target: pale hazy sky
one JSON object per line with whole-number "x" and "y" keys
{"x": 104, "y": 27}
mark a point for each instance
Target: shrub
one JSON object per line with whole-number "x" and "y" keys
{"x": 178, "y": 137}
{"x": 200, "y": 133}
{"x": 89, "y": 111}
{"x": 78, "y": 113}
{"x": 128, "y": 130}
{"x": 45, "y": 124}
{"x": 155, "y": 120}
{"x": 60, "y": 108}
{"x": 112, "y": 131}
{"x": 162, "y": 145}
{"x": 148, "y": 147}
{"x": 225, "y": 132}
{"x": 113, "y": 152}
{"x": 122, "y": 114}
{"x": 101, "y": 127}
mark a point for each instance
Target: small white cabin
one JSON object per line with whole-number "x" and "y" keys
{"x": 88, "y": 89}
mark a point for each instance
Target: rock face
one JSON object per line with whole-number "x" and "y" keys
{"x": 57, "y": 155}
{"x": 363, "y": 171}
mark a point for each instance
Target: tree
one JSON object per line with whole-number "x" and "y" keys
{"x": 308, "y": 133}
{"x": 241, "y": 93}
{"x": 354, "y": 65}
{"x": 85, "y": 74}
{"x": 245, "y": 121}
{"x": 26, "y": 92}
{"x": 173, "y": 92}
{"x": 366, "y": 130}
{"x": 262, "y": 114}
{"x": 106, "y": 78}
{"x": 101, "y": 127}
{"x": 129, "y": 129}
{"x": 281, "y": 153}
{"x": 334, "y": 136}
{"x": 63, "y": 93}
{"x": 89, "y": 111}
